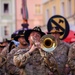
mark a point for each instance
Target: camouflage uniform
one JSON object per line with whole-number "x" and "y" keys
{"x": 71, "y": 58}
{"x": 5, "y": 51}
{"x": 2, "y": 69}
{"x": 35, "y": 65}
{"x": 4, "y": 55}
{"x": 61, "y": 56}
{"x": 31, "y": 64}
{"x": 11, "y": 68}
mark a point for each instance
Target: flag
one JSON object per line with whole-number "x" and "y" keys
{"x": 24, "y": 10}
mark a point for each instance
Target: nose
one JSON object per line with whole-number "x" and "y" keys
{"x": 35, "y": 35}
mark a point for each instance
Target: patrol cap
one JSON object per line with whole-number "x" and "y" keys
{"x": 6, "y": 40}
{"x": 13, "y": 36}
{"x": 19, "y": 34}
{"x": 1, "y": 46}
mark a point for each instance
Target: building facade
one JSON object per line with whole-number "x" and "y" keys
{"x": 7, "y": 18}
{"x": 59, "y": 7}
{"x": 11, "y": 16}
{"x": 34, "y": 12}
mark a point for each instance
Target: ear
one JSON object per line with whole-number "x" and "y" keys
{"x": 18, "y": 39}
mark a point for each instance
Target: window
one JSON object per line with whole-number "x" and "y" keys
{"x": 6, "y": 32}
{"x": 62, "y": 9}
{"x": 6, "y": 8}
{"x": 69, "y": 7}
{"x": 47, "y": 16}
{"x": 54, "y": 10}
{"x": 37, "y": 9}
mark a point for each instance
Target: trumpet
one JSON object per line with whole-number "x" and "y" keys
{"x": 48, "y": 43}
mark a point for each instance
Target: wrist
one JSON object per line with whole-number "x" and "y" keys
{"x": 29, "y": 52}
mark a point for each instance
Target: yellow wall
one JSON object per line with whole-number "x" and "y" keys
{"x": 57, "y": 4}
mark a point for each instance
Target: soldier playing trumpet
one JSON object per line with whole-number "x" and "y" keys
{"x": 32, "y": 61}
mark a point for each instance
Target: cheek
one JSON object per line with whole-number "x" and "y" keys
{"x": 53, "y": 35}
{"x": 29, "y": 38}
{"x": 23, "y": 40}
{"x": 19, "y": 40}
{"x": 38, "y": 38}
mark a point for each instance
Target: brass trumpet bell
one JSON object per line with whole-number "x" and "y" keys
{"x": 48, "y": 43}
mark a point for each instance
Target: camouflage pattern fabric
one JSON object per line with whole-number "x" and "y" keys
{"x": 11, "y": 68}
{"x": 34, "y": 65}
{"x": 71, "y": 58}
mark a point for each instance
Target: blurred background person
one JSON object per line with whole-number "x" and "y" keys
{"x": 71, "y": 58}
{"x": 61, "y": 51}
{"x": 11, "y": 68}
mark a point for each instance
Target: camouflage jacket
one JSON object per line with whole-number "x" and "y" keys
{"x": 32, "y": 64}
{"x": 35, "y": 65}
{"x": 5, "y": 51}
{"x": 3, "y": 56}
{"x": 11, "y": 68}
{"x": 71, "y": 57}
{"x": 61, "y": 56}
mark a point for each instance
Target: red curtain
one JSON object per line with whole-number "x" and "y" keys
{"x": 71, "y": 37}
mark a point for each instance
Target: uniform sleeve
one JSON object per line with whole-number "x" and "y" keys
{"x": 5, "y": 51}
{"x": 71, "y": 57}
{"x": 12, "y": 69}
{"x": 21, "y": 59}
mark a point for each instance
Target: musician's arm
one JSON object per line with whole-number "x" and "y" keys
{"x": 21, "y": 59}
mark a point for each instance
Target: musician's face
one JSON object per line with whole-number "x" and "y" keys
{"x": 22, "y": 41}
{"x": 56, "y": 35}
{"x": 35, "y": 36}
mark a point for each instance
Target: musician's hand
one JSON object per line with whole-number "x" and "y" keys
{"x": 32, "y": 48}
{"x": 37, "y": 44}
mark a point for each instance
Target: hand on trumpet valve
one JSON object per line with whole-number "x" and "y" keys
{"x": 35, "y": 42}
{"x": 34, "y": 47}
